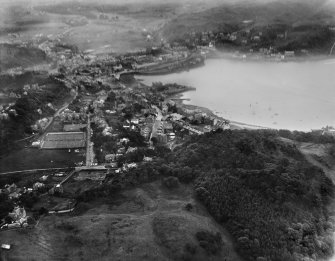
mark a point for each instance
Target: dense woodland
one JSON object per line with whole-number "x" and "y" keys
{"x": 270, "y": 198}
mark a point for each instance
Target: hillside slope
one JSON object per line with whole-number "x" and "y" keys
{"x": 270, "y": 198}
{"x": 149, "y": 222}
{"x": 303, "y": 20}
{"x": 15, "y": 56}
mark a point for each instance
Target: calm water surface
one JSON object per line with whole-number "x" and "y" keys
{"x": 291, "y": 95}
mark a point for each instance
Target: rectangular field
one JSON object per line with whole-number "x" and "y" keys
{"x": 64, "y": 140}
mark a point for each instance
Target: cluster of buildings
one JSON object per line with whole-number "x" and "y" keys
{"x": 248, "y": 38}
{"x": 6, "y": 110}
{"x": 19, "y": 219}
{"x": 69, "y": 116}
{"x": 46, "y": 184}
{"x": 14, "y": 192}
{"x": 328, "y": 130}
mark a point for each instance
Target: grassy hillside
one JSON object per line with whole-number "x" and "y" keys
{"x": 149, "y": 222}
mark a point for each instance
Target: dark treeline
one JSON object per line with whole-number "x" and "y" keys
{"x": 313, "y": 136}
{"x": 270, "y": 198}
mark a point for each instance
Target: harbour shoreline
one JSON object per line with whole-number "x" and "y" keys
{"x": 235, "y": 125}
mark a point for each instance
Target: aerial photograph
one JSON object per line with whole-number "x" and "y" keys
{"x": 167, "y": 130}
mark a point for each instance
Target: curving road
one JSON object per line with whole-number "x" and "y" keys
{"x": 57, "y": 113}
{"x": 331, "y": 50}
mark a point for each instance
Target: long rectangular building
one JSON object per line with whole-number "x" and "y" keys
{"x": 74, "y": 127}
{"x": 64, "y": 140}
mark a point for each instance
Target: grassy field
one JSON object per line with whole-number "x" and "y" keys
{"x": 145, "y": 223}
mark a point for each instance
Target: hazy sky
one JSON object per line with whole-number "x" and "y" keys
{"x": 154, "y": 1}
{"x": 6, "y": 2}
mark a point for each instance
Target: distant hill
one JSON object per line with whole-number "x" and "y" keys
{"x": 14, "y": 55}
{"x": 304, "y": 20}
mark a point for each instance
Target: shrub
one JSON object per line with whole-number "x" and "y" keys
{"x": 212, "y": 243}
{"x": 170, "y": 182}
{"x": 189, "y": 207}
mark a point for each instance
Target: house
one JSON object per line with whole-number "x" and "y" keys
{"x": 130, "y": 149}
{"x": 176, "y": 116}
{"x": 36, "y": 143}
{"x": 233, "y": 37}
{"x": 11, "y": 188}
{"x": 207, "y": 128}
{"x": 112, "y": 165}
{"x": 107, "y": 131}
{"x": 124, "y": 141}
{"x": 171, "y": 136}
{"x": 58, "y": 188}
{"x": 135, "y": 121}
{"x": 165, "y": 108}
{"x": 167, "y": 126}
{"x": 129, "y": 166}
{"x": 147, "y": 159}
{"x": 73, "y": 127}
{"x": 91, "y": 175}
{"x": 14, "y": 225}
{"x": 280, "y": 36}
{"x": 18, "y": 215}
{"x": 263, "y": 50}
{"x": 171, "y": 103}
{"x": 117, "y": 67}
{"x": 289, "y": 53}
{"x": 121, "y": 150}
{"x": 256, "y": 38}
{"x": 112, "y": 157}
{"x": 14, "y": 195}
{"x": 145, "y": 132}
{"x": 38, "y": 185}
{"x": 328, "y": 131}
{"x": 5, "y": 246}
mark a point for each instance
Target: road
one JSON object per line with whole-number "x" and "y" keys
{"x": 89, "y": 145}
{"x": 157, "y": 121}
{"x": 331, "y": 50}
{"x": 32, "y": 170}
{"x": 193, "y": 130}
{"x": 68, "y": 177}
{"x": 57, "y": 113}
